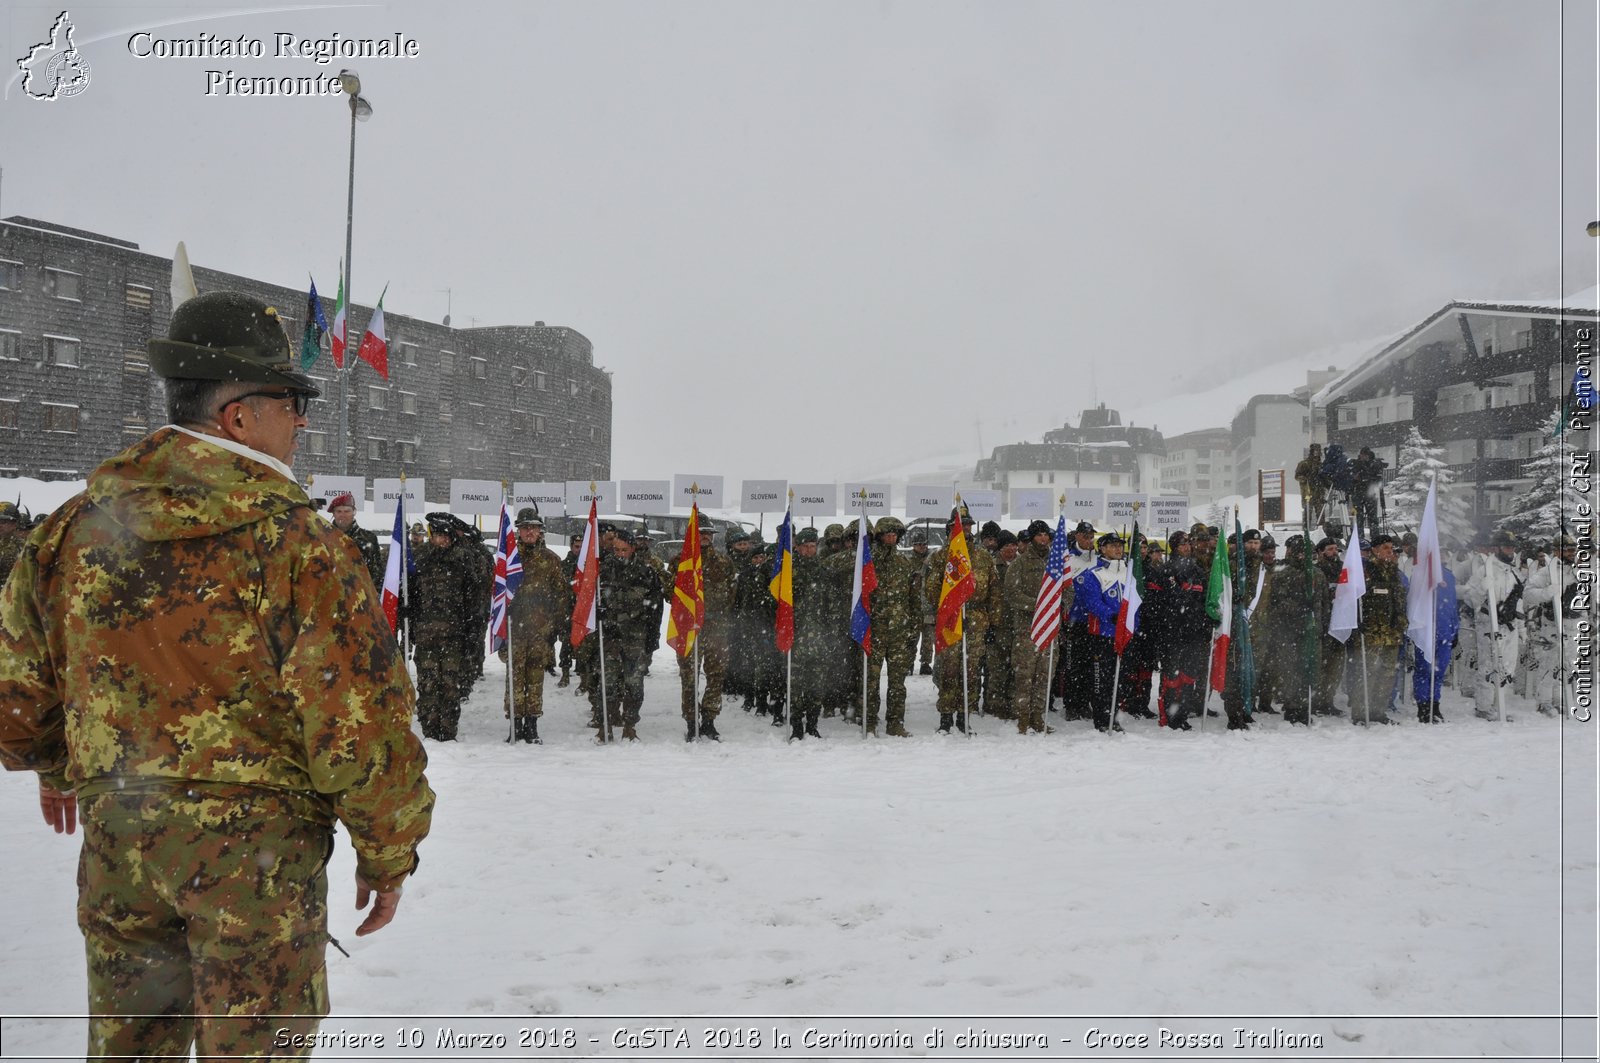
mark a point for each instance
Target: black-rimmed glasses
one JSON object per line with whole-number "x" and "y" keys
{"x": 301, "y": 399}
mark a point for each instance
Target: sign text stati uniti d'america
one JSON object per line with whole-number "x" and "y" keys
{"x": 319, "y": 50}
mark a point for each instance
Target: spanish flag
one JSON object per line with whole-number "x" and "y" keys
{"x": 688, "y": 613}
{"x": 959, "y": 583}
{"x": 782, "y": 584}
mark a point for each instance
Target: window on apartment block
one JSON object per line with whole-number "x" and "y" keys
{"x": 9, "y": 409}
{"x": 316, "y": 442}
{"x": 408, "y": 402}
{"x": 377, "y": 398}
{"x": 10, "y": 275}
{"x": 60, "y": 350}
{"x": 447, "y": 362}
{"x": 480, "y": 369}
{"x": 377, "y": 449}
{"x": 10, "y": 346}
{"x": 59, "y": 417}
{"x": 63, "y": 285}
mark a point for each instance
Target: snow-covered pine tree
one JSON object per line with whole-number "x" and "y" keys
{"x": 1537, "y": 512}
{"x": 1419, "y": 462}
{"x": 1217, "y": 516}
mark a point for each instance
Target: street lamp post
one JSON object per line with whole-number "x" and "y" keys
{"x": 359, "y": 109}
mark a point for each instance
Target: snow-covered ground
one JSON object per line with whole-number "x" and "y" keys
{"x": 1332, "y": 877}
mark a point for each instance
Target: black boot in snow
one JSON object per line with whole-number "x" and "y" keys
{"x": 708, "y": 729}
{"x": 1438, "y": 717}
{"x": 798, "y": 730}
{"x": 689, "y": 735}
{"x": 1424, "y": 712}
{"x": 811, "y": 727}
{"x": 946, "y": 721}
{"x": 531, "y": 735}
{"x": 961, "y": 722}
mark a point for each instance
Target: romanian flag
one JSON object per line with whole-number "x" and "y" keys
{"x": 959, "y": 583}
{"x": 782, "y": 583}
{"x": 688, "y": 614}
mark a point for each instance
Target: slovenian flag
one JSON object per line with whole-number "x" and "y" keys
{"x": 862, "y": 584}
{"x": 1128, "y": 611}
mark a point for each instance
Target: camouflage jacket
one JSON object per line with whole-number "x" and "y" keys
{"x": 190, "y": 620}
{"x": 815, "y": 612}
{"x": 716, "y": 573}
{"x": 896, "y": 615}
{"x": 542, "y": 608}
{"x": 445, "y": 593}
{"x": 371, "y": 553}
{"x": 629, "y": 592}
{"x": 1383, "y": 607}
{"x": 10, "y": 550}
{"x": 1021, "y": 591}
{"x": 983, "y": 608}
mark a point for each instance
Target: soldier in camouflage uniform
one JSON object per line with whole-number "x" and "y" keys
{"x": 541, "y": 609}
{"x": 630, "y": 595}
{"x": 343, "y": 511}
{"x": 569, "y": 567}
{"x": 1297, "y": 610}
{"x": 919, "y": 587}
{"x": 196, "y": 663}
{"x": 478, "y": 631}
{"x": 813, "y": 642}
{"x": 744, "y": 620}
{"x": 843, "y": 674}
{"x": 1331, "y": 652}
{"x": 1019, "y": 596}
{"x": 997, "y": 643}
{"x": 444, "y": 600}
{"x": 644, "y": 551}
{"x": 981, "y": 609}
{"x": 712, "y": 643}
{"x": 896, "y": 615}
{"x": 12, "y": 537}
{"x": 1382, "y": 630}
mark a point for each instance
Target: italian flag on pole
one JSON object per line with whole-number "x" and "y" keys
{"x": 374, "y": 349}
{"x": 1219, "y": 607}
{"x": 336, "y": 335}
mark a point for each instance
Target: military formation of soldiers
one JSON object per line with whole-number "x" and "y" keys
{"x": 1496, "y": 632}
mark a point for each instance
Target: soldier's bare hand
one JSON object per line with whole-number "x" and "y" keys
{"x": 384, "y": 905}
{"x": 60, "y": 810}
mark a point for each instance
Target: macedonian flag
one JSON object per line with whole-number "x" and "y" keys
{"x": 688, "y": 614}
{"x": 959, "y": 584}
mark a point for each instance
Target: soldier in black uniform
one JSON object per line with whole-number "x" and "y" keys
{"x": 444, "y": 599}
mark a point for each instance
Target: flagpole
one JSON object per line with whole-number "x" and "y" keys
{"x": 694, "y": 687}
{"x": 866, "y": 670}
{"x": 511, "y": 669}
{"x": 965, "y": 693}
{"x": 1366, "y": 697}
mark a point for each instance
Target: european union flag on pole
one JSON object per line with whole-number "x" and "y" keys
{"x": 316, "y": 327}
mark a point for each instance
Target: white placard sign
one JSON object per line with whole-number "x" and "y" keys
{"x": 877, "y": 500}
{"x": 645, "y": 498}
{"x": 983, "y": 504}
{"x": 386, "y": 492}
{"x": 764, "y": 496}
{"x": 1033, "y": 503}
{"x": 604, "y": 496}
{"x": 476, "y": 498}
{"x": 815, "y": 500}
{"x": 707, "y": 490}
{"x": 1169, "y": 514}
{"x": 548, "y": 497}
{"x": 929, "y": 500}
{"x": 331, "y": 487}
{"x": 1123, "y": 510}
{"x": 1085, "y": 503}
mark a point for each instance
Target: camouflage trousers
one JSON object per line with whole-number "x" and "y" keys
{"x": 899, "y": 666}
{"x": 714, "y": 664}
{"x": 947, "y": 677}
{"x": 525, "y": 678}
{"x": 207, "y": 917}
{"x": 625, "y": 660}
{"x": 442, "y": 682}
{"x": 1030, "y": 678}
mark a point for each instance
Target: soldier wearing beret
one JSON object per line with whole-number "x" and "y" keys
{"x": 343, "y": 510}
{"x": 198, "y": 665}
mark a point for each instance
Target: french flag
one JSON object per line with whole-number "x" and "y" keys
{"x": 862, "y": 584}
{"x": 394, "y": 572}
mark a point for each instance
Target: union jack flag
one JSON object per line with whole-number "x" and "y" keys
{"x": 507, "y": 578}
{"x": 1047, "y": 607}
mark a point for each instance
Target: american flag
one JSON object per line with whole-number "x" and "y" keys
{"x": 1047, "y": 609}
{"x": 507, "y": 578}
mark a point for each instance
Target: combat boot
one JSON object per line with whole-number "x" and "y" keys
{"x": 961, "y": 722}
{"x": 896, "y": 729}
{"x": 926, "y": 669}
{"x": 708, "y": 729}
{"x": 1424, "y": 712}
{"x": 533, "y": 731}
{"x": 946, "y": 721}
{"x": 1022, "y": 725}
{"x": 566, "y": 678}
{"x": 811, "y": 727}
{"x": 689, "y": 733}
{"x": 797, "y": 731}
{"x": 629, "y": 734}
{"x": 1438, "y": 717}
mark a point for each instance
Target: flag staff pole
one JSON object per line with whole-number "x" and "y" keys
{"x": 1050, "y": 654}
{"x": 1366, "y": 695}
{"x": 694, "y": 670}
{"x": 405, "y": 576}
{"x": 1433, "y": 613}
{"x": 511, "y": 644}
{"x": 600, "y": 626}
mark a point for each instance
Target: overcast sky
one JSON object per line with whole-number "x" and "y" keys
{"x": 816, "y": 240}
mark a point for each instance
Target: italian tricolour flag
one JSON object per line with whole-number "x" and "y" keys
{"x": 1219, "y": 607}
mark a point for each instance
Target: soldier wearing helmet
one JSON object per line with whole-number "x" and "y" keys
{"x": 539, "y": 613}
